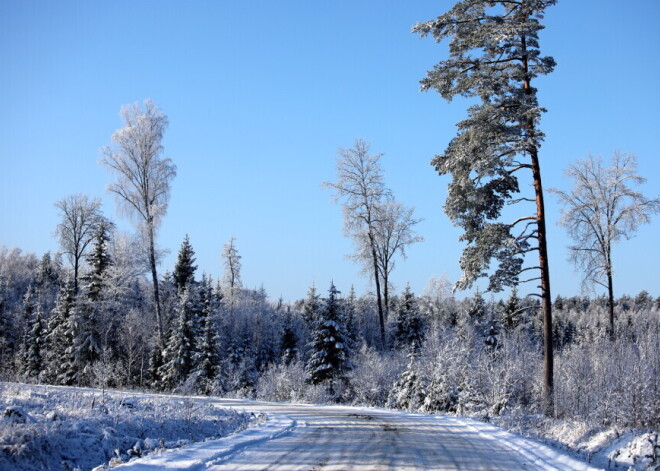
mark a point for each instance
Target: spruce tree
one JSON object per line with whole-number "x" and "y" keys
{"x": 169, "y": 298}
{"x": 178, "y": 354}
{"x": 289, "y": 345}
{"x": 47, "y": 283}
{"x": 512, "y": 312}
{"x": 329, "y": 346}
{"x": 33, "y": 357}
{"x": 494, "y": 56}
{"x": 60, "y": 339}
{"x": 476, "y": 313}
{"x": 350, "y": 309}
{"x": 312, "y": 306}
{"x": 408, "y": 392}
{"x": 441, "y": 394}
{"x": 47, "y": 274}
{"x": 408, "y": 324}
{"x": 247, "y": 376}
{"x": 29, "y": 307}
{"x": 206, "y": 358}
{"x": 155, "y": 366}
{"x": 88, "y": 345}
{"x": 71, "y": 367}
{"x": 99, "y": 260}
{"x": 8, "y": 332}
{"x": 492, "y": 332}
{"x": 90, "y": 305}
{"x": 184, "y": 270}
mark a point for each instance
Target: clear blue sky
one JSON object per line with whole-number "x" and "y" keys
{"x": 260, "y": 95}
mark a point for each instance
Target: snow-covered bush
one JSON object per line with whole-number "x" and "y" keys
{"x": 282, "y": 382}
{"x": 374, "y": 375}
{"x": 612, "y": 382}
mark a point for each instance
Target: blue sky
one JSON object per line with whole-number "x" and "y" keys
{"x": 260, "y": 95}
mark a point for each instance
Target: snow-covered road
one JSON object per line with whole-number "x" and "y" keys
{"x": 305, "y": 437}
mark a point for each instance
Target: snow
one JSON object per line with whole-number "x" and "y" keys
{"x": 538, "y": 454}
{"x": 214, "y": 451}
{"x": 284, "y": 436}
{"x": 608, "y": 447}
{"x": 304, "y": 436}
{"x": 56, "y": 428}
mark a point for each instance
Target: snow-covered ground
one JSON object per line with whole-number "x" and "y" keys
{"x": 55, "y": 428}
{"x": 607, "y": 447}
{"x": 64, "y": 428}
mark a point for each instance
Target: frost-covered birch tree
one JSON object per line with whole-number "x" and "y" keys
{"x": 602, "y": 208}
{"x": 394, "y": 231}
{"x": 361, "y": 185}
{"x": 494, "y": 57}
{"x": 380, "y": 226}
{"x": 143, "y": 177}
{"x": 80, "y": 217}
{"x": 232, "y": 263}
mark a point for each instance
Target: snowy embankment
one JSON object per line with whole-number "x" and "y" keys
{"x": 198, "y": 455}
{"x": 45, "y": 427}
{"x": 606, "y": 447}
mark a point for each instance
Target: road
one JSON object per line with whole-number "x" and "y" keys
{"x": 327, "y": 438}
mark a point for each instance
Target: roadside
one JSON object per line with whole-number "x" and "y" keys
{"x": 611, "y": 447}
{"x": 59, "y": 428}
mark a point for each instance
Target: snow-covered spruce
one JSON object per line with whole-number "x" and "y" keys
{"x": 329, "y": 355}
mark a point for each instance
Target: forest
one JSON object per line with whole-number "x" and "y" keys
{"x": 474, "y": 356}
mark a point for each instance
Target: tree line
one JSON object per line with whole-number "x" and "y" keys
{"x": 476, "y": 356}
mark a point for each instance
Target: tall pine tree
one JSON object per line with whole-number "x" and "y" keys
{"x": 494, "y": 56}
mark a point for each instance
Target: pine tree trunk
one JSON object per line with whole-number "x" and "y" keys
{"x": 546, "y": 300}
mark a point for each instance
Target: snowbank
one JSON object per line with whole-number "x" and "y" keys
{"x": 605, "y": 447}
{"x": 44, "y": 427}
{"x": 200, "y": 455}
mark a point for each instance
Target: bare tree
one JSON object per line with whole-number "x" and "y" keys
{"x": 601, "y": 208}
{"x": 143, "y": 176}
{"x": 232, "y": 263}
{"x": 80, "y": 217}
{"x": 361, "y": 185}
{"x": 393, "y": 233}
{"x": 380, "y": 226}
